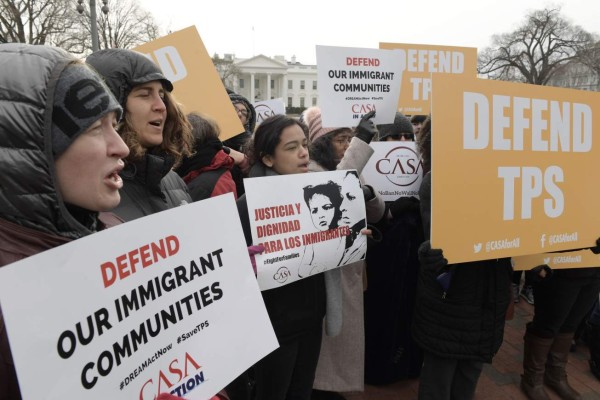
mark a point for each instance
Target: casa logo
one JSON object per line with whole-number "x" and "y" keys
{"x": 401, "y": 166}
{"x": 362, "y": 108}
{"x": 282, "y": 275}
{"x": 181, "y": 377}
{"x": 263, "y": 112}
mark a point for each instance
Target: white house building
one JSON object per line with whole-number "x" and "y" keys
{"x": 264, "y": 78}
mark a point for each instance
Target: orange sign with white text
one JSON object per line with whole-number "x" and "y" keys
{"x": 575, "y": 259}
{"x": 184, "y": 60}
{"x": 420, "y": 61}
{"x": 512, "y": 168}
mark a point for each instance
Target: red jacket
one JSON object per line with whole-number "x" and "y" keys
{"x": 212, "y": 180}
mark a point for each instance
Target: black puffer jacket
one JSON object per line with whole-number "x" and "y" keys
{"x": 150, "y": 186}
{"x": 28, "y": 75}
{"x": 467, "y": 321}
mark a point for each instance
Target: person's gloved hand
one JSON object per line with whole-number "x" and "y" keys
{"x": 596, "y": 250}
{"x": 368, "y": 192}
{"x": 252, "y": 252}
{"x": 365, "y": 130}
{"x": 540, "y": 273}
{"x": 432, "y": 259}
{"x": 404, "y": 204}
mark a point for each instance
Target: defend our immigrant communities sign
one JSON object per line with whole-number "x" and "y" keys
{"x": 510, "y": 168}
{"x": 309, "y": 223}
{"x": 574, "y": 259}
{"x": 394, "y": 170}
{"x": 267, "y": 108}
{"x": 419, "y": 61}
{"x": 161, "y": 304}
{"x": 355, "y": 81}
{"x": 184, "y": 60}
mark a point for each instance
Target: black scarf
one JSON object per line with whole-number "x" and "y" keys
{"x": 202, "y": 157}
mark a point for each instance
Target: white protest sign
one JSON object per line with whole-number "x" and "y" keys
{"x": 165, "y": 303}
{"x": 267, "y": 108}
{"x": 308, "y": 223}
{"x": 354, "y": 81}
{"x": 394, "y": 170}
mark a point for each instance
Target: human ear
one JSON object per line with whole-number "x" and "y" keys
{"x": 267, "y": 160}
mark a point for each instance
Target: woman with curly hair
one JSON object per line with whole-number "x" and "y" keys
{"x": 154, "y": 128}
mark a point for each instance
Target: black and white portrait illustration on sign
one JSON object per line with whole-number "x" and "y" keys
{"x": 353, "y": 216}
{"x": 307, "y": 223}
{"x": 324, "y": 203}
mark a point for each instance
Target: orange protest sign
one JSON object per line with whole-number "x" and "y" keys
{"x": 575, "y": 259}
{"x": 420, "y": 61}
{"x": 184, "y": 60}
{"x": 510, "y": 168}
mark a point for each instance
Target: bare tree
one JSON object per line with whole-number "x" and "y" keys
{"x": 57, "y": 22}
{"x": 535, "y": 50}
{"x": 126, "y": 25}
{"x": 226, "y": 68}
{"x": 590, "y": 57}
{"x": 34, "y": 21}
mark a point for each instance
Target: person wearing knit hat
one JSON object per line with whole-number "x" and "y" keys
{"x": 331, "y": 142}
{"x": 401, "y": 130}
{"x": 417, "y": 122}
{"x": 247, "y": 115}
{"x": 59, "y": 156}
{"x": 312, "y": 118}
{"x": 80, "y": 99}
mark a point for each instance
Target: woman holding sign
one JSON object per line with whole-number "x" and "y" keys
{"x": 341, "y": 362}
{"x": 459, "y": 310}
{"x": 60, "y": 158}
{"x": 279, "y": 147}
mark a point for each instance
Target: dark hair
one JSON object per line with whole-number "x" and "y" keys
{"x": 333, "y": 192}
{"x": 416, "y": 119}
{"x": 424, "y": 145}
{"x": 267, "y": 137}
{"x": 351, "y": 173}
{"x": 322, "y": 151}
{"x": 204, "y": 129}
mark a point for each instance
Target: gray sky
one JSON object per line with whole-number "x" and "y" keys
{"x": 272, "y": 27}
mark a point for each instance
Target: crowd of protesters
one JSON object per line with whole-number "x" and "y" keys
{"x": 75, "y": 163}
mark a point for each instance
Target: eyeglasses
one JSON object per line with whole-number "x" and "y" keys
{"x": 343, "y": 140}
{"x": 242, "y": 111}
